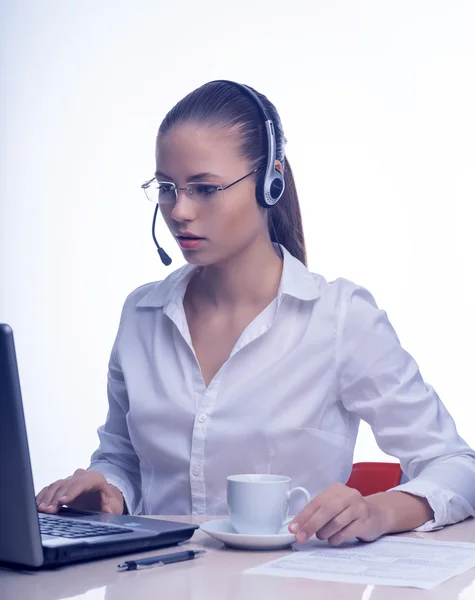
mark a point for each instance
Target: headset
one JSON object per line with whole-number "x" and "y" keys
{"x": 270, "y": 184}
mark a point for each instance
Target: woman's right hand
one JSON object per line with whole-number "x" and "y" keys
{"x": 85, "y": 490}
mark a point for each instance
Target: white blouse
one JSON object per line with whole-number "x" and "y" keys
{"x": 288, "y": 400}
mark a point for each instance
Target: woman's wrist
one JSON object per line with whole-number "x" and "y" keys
{"x": 401, "y": 511}
{"x": 120, "y": 500}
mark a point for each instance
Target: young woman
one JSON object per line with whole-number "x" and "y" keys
{"x": 244, "y": 361}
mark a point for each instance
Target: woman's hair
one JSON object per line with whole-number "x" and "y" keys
{"x": 220, "y": 103}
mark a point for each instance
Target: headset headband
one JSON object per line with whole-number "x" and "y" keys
{"x": 272, "y": 181}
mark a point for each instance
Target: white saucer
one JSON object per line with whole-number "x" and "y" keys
{"x": 222, "y": 530}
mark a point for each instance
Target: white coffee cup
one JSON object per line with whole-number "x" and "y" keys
{"x": 259, "y": 504}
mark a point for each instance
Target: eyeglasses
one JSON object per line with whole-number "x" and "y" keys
{"x": 202, "y": 192}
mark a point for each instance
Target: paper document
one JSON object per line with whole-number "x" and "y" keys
{"x": 404, "y": 562}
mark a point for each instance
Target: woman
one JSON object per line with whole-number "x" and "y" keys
{"x": 244, "y": 361}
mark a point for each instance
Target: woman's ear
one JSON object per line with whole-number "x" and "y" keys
{"x": 279, "y": 167}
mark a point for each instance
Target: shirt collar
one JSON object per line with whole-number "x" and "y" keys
{"x": 296, "y": 281}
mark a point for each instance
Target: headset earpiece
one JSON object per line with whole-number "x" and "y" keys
{"x": 269, "y": 190}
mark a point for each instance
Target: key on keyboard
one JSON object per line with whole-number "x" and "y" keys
{"x": 74, "y": 528}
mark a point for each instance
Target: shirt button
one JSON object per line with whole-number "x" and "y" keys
{"x": 196, "y": 471}
{"x": 202, "y": 418}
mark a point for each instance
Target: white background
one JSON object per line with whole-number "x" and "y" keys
{"x": 376, "y": 98}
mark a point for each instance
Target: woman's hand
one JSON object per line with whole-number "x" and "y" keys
{"x": 340, "y": 513}
{"x": 85, "y": 490}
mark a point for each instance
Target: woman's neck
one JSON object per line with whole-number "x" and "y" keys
{"x": 247, "y": 280}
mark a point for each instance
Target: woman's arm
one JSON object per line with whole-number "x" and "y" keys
{"x": 116, "y": 458}
{"x": 381, "y": 383}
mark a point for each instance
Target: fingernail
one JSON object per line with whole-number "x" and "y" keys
{"x": 63, "y": 497}
{"x": 42, "y": 505}
{"x": 294, "y": 527}
{"x": 302, "y": 537}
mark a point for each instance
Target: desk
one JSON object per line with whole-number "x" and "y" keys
{"x": 217, "y": 575}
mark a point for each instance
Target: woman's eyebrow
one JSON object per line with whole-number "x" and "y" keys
{"x": 160, "y": 175}
{"x": 208, "y": 176}
{"x": 195, "y": 177}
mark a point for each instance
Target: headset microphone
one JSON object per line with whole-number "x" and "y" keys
{"x": 166, "y": 260}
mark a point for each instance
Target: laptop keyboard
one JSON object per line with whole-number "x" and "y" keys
{"x": 74, "y": 528}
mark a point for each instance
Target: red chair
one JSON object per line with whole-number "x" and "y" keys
{"x": 373, "y": 477}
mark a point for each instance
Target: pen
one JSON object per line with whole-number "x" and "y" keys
{"x": 159, "y": 561}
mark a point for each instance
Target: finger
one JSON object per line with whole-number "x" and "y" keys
{"x": 62, "y": 491}
{"x": 338, "y": 523}
{"x": 106, "y": 506}
{"x": 325, "y": 498}
{"x": 323, "y": 514}
{"x": 76, "y": 487}
{"x": 305, "y": 514}
{"x": 360, "y": 528}
{"x": 50, "y": 509}
{"x": 46, "y": 498}
{"x": 50, "y": 492}
{"x": 40, "y": 496}
{"x": 41, "y": 505}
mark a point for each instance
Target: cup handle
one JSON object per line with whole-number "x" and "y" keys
{"x": 305, "y": 492}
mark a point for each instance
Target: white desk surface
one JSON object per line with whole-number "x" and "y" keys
{"x": 217, "y": 575}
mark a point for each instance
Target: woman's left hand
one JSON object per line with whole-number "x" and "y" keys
{"x": 338, "y": 514}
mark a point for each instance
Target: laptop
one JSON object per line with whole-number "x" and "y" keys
{"x": 32, "y": 539}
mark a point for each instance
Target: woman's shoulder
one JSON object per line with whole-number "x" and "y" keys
{"x": 300, "y": 281}
{"x": 347, "y": 288}
{"x": 341, "y": 290}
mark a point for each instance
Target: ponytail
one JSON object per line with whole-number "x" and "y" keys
{"x": 285, "y": 219}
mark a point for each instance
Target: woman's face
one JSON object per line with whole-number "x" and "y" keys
{"x": 226, "y": 221}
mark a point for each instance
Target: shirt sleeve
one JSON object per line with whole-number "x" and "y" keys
{"x": 115, "y": 457}
{"x": 381, "y": 383}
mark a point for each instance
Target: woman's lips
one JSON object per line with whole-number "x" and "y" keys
{"x": 190, "y": 243}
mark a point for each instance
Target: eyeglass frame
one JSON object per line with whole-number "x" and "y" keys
{"x": 177, "y": 189}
